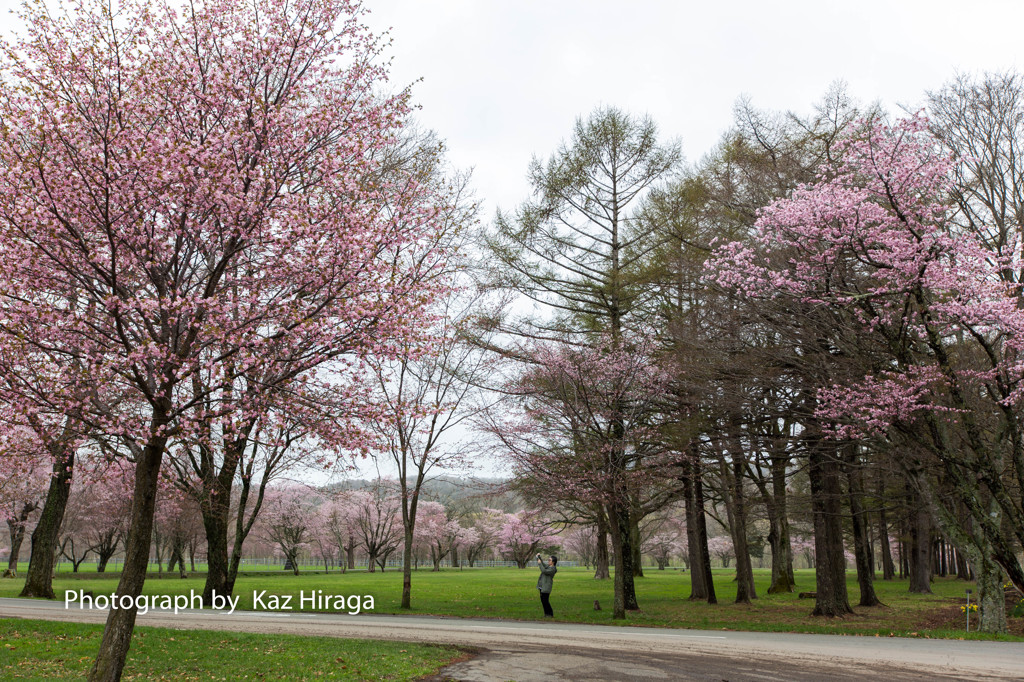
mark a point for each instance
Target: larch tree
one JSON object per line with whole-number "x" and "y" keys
{"x": 574, "y": 249}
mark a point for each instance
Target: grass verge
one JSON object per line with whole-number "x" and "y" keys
{"x": 43, "y": 650}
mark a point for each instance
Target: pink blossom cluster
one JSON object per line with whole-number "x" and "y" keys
{"x": 873, "y": 238}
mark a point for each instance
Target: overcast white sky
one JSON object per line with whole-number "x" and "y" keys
{"x": 503, "y": 80}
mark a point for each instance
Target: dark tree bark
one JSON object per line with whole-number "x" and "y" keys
{"x": 409, "y": 521}
{"x": 72, "y": 554}
{"x": 625, "y": 590}
{"x": 634, "y": 541}
{"x": 117, "y": 633}
{"x": 39, "y": 581}
{"x": 178, "y": 556}
{"x": 104, "y": 547}
{"x": 702, "y": 587}
{"x": 602, "y": 570}
{"x": 735, "y": 506}
{"x": 919, "y": 556}
{"x": 861, "y": 541}
{"x": 826, "y": 507}
{"x": 888, "y": 568}
{"x": 215, "y": 523}
{"x": 702, "y": 534}
{"x": 215, "y": 506}
{"x": 17, "y": 531}
{"x": 783, "y": 579}
{"x": 698, "y": 585}
{"x": 103, "y": 558}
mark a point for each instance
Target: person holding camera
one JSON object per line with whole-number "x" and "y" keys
{"x": 545, "y": 581}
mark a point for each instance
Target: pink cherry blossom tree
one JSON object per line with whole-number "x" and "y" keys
{"x": 666, "y": 539}
{"x": 24, "y": 478}
{"x": 340, "y": 515}
{"x": 428, "y": 398}
{"x": 580, "y": 541}
{"x": 35, "y": 421}
{"x": 108, "y": 489}
{"x": 213, "y": 211}
{"x": 721, "y": 547}
{"x": 586, "y": 432}
{"x": 322, "y": 541}
{"x": 288, "y": 520}
{"x": 440, "y": 531}
{"x": 377, "y": 520}
{"x": 177, "y": 525}
{"x": 485, "y": 527}
{"x": 522, "y": 534}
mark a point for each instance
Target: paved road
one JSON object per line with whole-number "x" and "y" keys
{"x": 527, "y": 651}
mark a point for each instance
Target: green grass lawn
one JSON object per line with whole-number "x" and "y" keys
{"x": 512, "y": 594}
{"x": 42, "y": 650}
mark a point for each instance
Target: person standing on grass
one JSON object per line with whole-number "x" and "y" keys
{"x": 545, "y": 581}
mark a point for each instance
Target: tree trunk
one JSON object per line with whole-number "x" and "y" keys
{"x": 179, "y": 551}
{"x": 732, "y": 494}
{"x": 625, "y": 590}
{"x": 783, "y": 580}
{"x": 861, "y": 541}
{"x": 702, "y": 535}
{"x": 103, "y": 558}
{"x": 826, "y": 506}
{"x": 117, "y": 634}
{"x": 745, "y": 590}
{"x": 601, "y": 561}
{"x": 963, "y": 571}
{"x": 634, "y": 541}
{"x": 919, "y": 564}
{"x": 215, "y": 505}
{"x": 39, "y": 581}
{"x": 407, "y": 569}
{"x": 698, "y": 584}
{"x": 991, "y": 596}
{"x": 215, "y": 523}
{"x": 17, "y": 531}
{"x": 158, "y": 544}
{"x": 888, "y": 569}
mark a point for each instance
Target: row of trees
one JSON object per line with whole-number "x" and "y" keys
{"x": 362, "y": 526}
{"x": 828, "y": 302}
{"x": 331, "y": 528}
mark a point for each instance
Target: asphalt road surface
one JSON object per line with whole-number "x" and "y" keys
{"x": 528, "y": 651}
